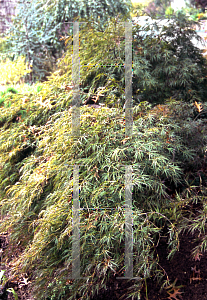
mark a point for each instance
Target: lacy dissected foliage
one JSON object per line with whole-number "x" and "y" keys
{"x": 36, "y": 175}
{"x": 38, "y": 153}
{"x": 165, "y": 63}
{"x": 38, "y": 26}
{"x": 176, "y": 67}
{"x": 102, "y": 10}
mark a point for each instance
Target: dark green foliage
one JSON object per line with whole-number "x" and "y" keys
{"x": 165, "y": 65}
{"x": 11, "y": 90}
{"x": 201, "y": 3}
{"x": 175, "y": 67}
{"x": 6, "y": 94}
{"x": 1, "y": 99}
{"x": 100, "y": 10}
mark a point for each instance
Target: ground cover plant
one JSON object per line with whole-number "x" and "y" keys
{"x": 167, "y": 153}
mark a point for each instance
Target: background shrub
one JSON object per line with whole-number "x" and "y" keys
{"x": 13, "y": 71}
{"x": 39, "y": 25}
{"x": 166, "y": 63}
